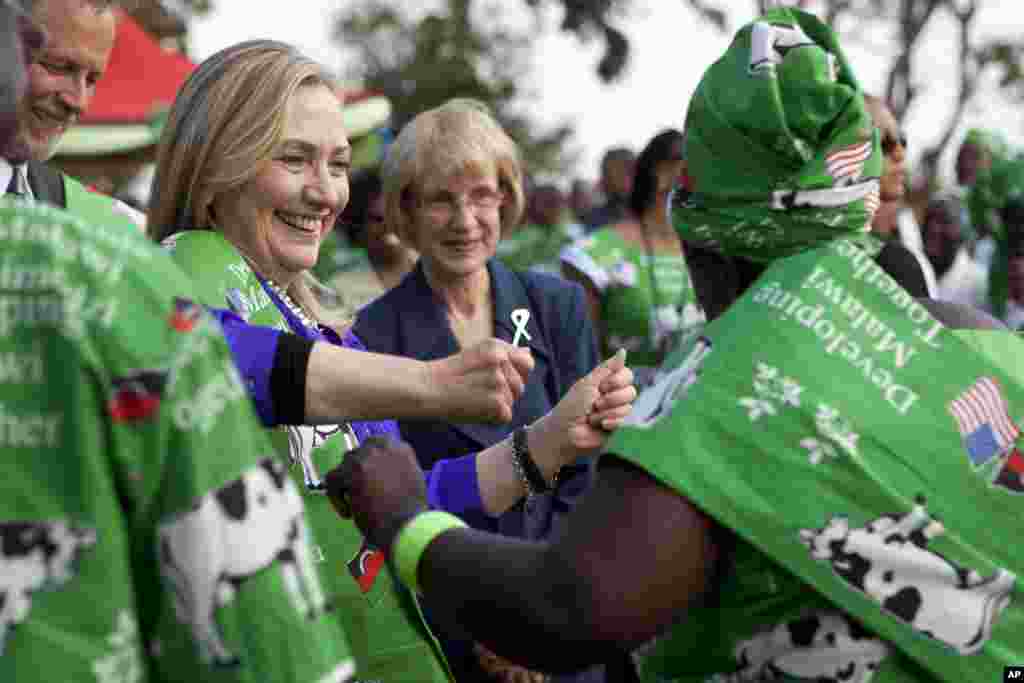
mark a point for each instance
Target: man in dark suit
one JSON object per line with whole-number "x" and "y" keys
{"x": 62, "y": 79}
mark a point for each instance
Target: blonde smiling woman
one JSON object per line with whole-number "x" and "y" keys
{"x": 251, "y": 174}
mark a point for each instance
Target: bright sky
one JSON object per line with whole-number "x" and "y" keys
{"x": 669, "y": 51}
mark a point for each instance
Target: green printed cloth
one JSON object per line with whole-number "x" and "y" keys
{"x": 643, "y": 314}
{"x": 128, "y": 553}
{"x": 782, "y": 153}
{"x": 867, "y": 459}
{"x": 865, "y": 456}
{"x": 537, "y": 247}
{"x": 389, "y": 638}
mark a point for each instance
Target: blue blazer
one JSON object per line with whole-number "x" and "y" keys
{"x": 409, "y": 321}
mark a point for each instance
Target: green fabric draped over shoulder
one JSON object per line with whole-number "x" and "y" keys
{"x": 126, "y": 434}
{"x": 387, "y": 636}
{"x": 782, "y": 153}
{"x": 868, "y": 460}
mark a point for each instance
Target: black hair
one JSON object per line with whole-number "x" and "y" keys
{"x": 1012, "y": 215}
{"x": 719, "y": 280}
{"x": 665, "y": 146}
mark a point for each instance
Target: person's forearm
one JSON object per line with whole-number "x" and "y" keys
{"x": 295, "y": 381}
{"x": 345, "y": 384}
{"x": 626, "y": 563}
{"x": 512, "y": 596}
{"x": 501, "y": 485}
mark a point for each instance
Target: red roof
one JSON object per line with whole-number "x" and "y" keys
{"x": 142, "y": 78}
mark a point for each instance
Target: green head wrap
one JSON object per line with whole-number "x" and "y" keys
{"x": 782, "y": 154}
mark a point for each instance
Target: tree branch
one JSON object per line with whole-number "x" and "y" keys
{"x": 970, "y": 72}
{"x": 837, "y": 9}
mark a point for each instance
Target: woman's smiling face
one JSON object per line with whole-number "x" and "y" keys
{"x": 279, "y": 217}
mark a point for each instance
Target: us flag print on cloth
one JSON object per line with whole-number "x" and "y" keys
{"x": 983, "y": 418}
{"x": 1011, "y": 475}
{"x": 846, "y": 163}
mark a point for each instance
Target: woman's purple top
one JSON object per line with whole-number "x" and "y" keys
{"x": 451, "y": 483}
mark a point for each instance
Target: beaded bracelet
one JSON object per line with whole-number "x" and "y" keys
{"x": 534, "y": 478}
{"x": 517, "y": 465}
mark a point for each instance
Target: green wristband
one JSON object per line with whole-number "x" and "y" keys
{"x": 414, "y": 538}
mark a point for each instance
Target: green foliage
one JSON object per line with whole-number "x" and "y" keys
{"x": 589, "y": 18}
{"x": 1007, "y": 57}
{"x": 452, "y": 51}
{"x": 421, "y": 62}
{"x": 199, "y": 7}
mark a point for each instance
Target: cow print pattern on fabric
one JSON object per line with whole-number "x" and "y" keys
{"x": 36, "y": 556}
{"x": 258, "y": 522}
{"x": 889, "y": 561}
{"x": 825, "y": 647}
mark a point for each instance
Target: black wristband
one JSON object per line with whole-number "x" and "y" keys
{"x": 288, "y": 379}
{"x": 521, "y": 452}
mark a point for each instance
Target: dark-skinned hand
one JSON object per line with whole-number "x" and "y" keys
{"x": 380, "y": 486}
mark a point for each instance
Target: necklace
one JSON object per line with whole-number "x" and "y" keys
{"x": 294, "y": 307}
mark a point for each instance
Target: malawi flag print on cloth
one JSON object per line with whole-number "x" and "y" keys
{"x": 983, "y": 418}
{"x": 365, "y": 566}
{"x": 136, "y": 396}
{"x": 185, "y": 316}
{"x": 1011, "y": 476}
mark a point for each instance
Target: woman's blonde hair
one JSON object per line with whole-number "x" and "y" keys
{"x": 222, "y": 129}
{"x": 458, "y": 137}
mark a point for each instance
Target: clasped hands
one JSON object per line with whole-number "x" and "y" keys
{"x": 381, "y": 484}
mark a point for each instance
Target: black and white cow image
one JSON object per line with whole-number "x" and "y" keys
{"x": 888, "y": 559}
{"x": 230, "y": 535}
{"x": 36, "y": 556}
{"x": 303, "y": 440}
{"x": 825, "y": 647}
